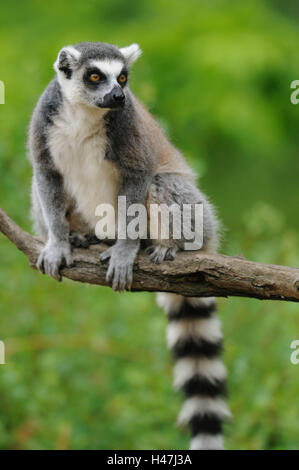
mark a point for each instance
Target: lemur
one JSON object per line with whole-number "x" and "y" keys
{"x": 90, "y": 141}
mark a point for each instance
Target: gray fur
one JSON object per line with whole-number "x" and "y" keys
{"x": 47, "y": 187}
{"x": 130, "y": 152}
{"x": 98, "y": 50}
{"x": 171, "y": 188}
{"x": 87, "y": 147}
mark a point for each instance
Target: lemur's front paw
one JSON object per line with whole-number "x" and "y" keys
{"x": 159, "y": 253}
{"x": 120, "y": 269}
{"x": 52, "y": 257}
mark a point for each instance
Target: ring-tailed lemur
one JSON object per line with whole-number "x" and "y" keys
{"x": 91, "y": 141}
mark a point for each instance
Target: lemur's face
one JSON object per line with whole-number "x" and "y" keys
{"x": 95, "y": 74}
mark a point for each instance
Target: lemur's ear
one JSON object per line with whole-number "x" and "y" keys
{"x": 131, "y": 53}
{"x": 67, "y": 60}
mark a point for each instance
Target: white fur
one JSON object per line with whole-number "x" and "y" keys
{"x": 185, "y": 369}
{"x": 108, "y": 67}
{"x": 207, "y": 442}
{"x": 170, "y": 303}
{"x": 203, "y": 405}
{"x": 72, "y": 89}
{"x": 131, "y": 53}
{"x": 112, "y": 69}
{"x": 77, "y": 142}
{"x": 71, "y": 52}
{"x": 208, "y": 329}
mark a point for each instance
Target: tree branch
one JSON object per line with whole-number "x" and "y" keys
{"x": 192, "y": 273}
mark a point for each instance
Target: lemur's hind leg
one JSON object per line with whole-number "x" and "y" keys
{"x": 170, "y": 189}
{"x": 158, "y": 253}
{"x": 82, "y": 240}
{"x": 80, "y": 234}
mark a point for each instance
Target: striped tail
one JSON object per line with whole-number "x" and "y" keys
{"x": 195, "y": 338}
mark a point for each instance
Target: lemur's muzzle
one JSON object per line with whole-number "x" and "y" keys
{"x": 114, "y": 99}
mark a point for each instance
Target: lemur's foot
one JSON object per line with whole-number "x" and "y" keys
{"x": 159, "y": 253}
{"x": 80, "y": 240}
{"x": 121, "y": 260}
{"x": 52, "y": 257}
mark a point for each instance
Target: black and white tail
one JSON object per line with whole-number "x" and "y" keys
{"x": 195, "y": 338}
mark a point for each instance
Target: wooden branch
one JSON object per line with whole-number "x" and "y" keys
{"x": 192, "y": 273}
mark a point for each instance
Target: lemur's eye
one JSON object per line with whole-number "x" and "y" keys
{"x": 122, "y": 78}
{"x": 95, "y": 77}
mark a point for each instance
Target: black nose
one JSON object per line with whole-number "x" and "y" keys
{"x": 118, "y": 96}
{"x": 115, "y": 99}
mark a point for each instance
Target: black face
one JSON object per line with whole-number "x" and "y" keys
{"x": 107, "y": 89}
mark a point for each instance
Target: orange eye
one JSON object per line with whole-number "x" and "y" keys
{"x": 122, "y": 78}
{"x": 94, "y": 77}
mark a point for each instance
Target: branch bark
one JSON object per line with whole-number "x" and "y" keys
{"x": 192, "y": 273}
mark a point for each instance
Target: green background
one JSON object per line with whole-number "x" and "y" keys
{"x": 87, "y": 368}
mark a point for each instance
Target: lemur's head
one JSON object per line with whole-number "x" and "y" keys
{"x": 95, "y": 74}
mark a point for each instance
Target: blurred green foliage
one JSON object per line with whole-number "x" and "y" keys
{"x": 87, "y": 368}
